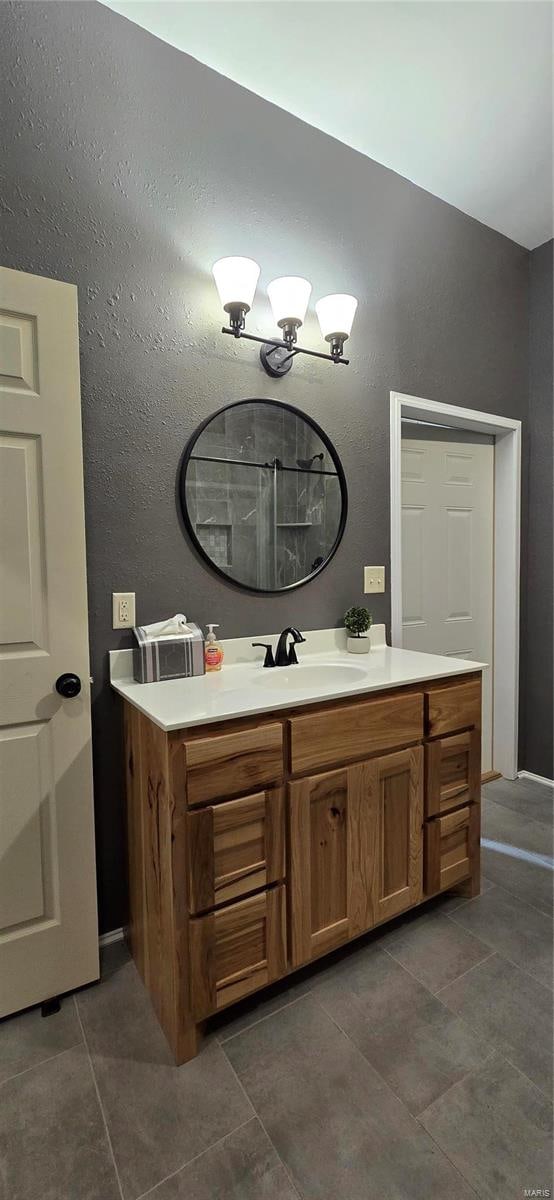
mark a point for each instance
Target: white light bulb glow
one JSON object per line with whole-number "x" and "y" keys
{"x": 289, "y": 298}
{"x": 336, "y": 314}
{"x": 236, "y": 280}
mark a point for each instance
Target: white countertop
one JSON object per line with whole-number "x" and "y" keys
{"x": 244, "y": 688}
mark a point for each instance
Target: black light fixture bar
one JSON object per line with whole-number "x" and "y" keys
{"x": 280, "y": 345}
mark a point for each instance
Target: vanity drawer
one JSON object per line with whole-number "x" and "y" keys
{"x": 337, "y": 735}
{"x": 451, "y": 844}
{"x": 235, "y": 848}
{"x": 236, "y": 950}
{"x": 230, "y": 763}
{"x": 452, "y": 772}
{"x": 451, "y": 708}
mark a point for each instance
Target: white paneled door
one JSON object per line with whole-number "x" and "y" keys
{"x": 48, "y": 922}
{"x": 447, "y": 555}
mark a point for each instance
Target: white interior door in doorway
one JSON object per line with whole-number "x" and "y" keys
{"x": 48, "y": 923}
{"x": 448, "y": 551}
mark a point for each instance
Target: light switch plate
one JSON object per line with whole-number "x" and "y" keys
{"x": 374, "y": 579}
{"x": 123, "y": 610}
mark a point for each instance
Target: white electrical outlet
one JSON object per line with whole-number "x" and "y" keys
{"x": 374, "y": 579}
{"x": 123, "y": 610}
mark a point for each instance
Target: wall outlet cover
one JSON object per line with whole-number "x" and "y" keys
{"x": 123, "y": 610}
{"x": 374, "y": 579}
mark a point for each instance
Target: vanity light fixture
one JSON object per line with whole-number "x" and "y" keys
{"x": 236, "y": 280}
{"x": 335, "y": 315}
{"x": 289, "y": 300}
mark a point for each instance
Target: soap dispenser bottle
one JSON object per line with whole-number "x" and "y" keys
{"x": 213, "y": 651}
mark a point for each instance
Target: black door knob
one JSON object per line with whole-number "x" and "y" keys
{"x": 68, "y": 685}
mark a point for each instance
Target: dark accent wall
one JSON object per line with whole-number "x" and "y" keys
{"x": 128, "y": 169}
{"x": 536, "y": 678}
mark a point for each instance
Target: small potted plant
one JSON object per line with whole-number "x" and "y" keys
{"x": 357, "y": 621}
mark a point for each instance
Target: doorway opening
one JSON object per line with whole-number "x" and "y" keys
{"x": 501, "y": 683}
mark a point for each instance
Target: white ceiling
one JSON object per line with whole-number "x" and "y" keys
{"x": 455, "y": 96}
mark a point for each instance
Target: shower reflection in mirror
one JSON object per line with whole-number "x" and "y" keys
{"x": 263, "y": 495}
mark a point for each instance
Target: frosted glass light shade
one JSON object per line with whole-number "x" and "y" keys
{"x": 289, "y": 298}
{"x": 335, "y": 315}
{"x": 236, "y": 280}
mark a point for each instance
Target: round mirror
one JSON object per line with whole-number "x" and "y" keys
{"x": 263, "y": 495}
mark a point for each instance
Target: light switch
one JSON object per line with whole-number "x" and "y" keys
{"x": 123, "y": 610}
{"x": 374, "y": 579}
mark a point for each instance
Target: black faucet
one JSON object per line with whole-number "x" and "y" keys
{"x": 284, "y": 656}
{"x": 269, "y": 660}
{"x": 287, "y": 657}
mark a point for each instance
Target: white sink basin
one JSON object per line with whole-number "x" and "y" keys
{"x": 300, "y": 677}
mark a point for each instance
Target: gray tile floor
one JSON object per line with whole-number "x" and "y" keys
{"x": 416, "y": 1065}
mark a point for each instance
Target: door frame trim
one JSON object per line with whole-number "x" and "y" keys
{"x": 507, "y": 526}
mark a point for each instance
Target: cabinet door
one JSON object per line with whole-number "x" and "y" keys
{"x": 236, "y": 950}
{"x": 397, "y": 810}
{"x": 331, "y": 855}
{"x": 235, "y": 848}
{"x": 452, "y": 848}
{"x": 452, "y": 772}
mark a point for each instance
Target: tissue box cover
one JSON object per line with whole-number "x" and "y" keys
{"x": 168, "y": 657}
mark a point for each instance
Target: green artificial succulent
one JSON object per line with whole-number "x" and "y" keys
{"x": 357, "y": 621}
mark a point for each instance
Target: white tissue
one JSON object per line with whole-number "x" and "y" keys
{"x": 171, "y": 628}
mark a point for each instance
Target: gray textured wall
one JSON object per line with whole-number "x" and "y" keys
{"x": 536, "y": 680}
{"x": 129, "y": 168}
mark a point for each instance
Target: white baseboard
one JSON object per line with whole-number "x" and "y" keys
{"x": 536, "y": 778}
{"x": 114, "y": 935}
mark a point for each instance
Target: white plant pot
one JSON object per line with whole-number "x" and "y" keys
{"x": 358, "y": 645}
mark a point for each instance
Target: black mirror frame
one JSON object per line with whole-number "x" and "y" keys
{"x": 188, "y": 523}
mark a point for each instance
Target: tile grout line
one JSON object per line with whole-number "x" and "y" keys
{"x": 201, "y": 1154}
{"x": 463, "y": 974}
{"x": 448, "y": 1159}
{"x": 467, "y": 1022}
{"x": 513, "y": 896}
{"x": 428, "y": 989}
{"x": 515, "y": 812}
{"x": 289, "y": 1004}
{"x": 518, "y": 967}
{"x": 524, "y": 1075}
{"x": 292, "y": 1182}
{"x": 458, "y": 1083}
{"x": 42, "y": 1063}
{"x": 492, "y": 950}
{"x": 501, "y": 888}
{"x": 99, "y": 1098}
{"x": 486, "y": 1038}
{"x": 387, "y": 1085}
{"x": 499, "y": 954}
{"x": 498, "y": 888}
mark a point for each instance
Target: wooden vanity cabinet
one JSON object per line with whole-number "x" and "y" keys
{"x": 342, "y": 732}
{"x": 397, "y": 792}
{"x": 356, "y": 850}
{"x": 331, "y": 860}
{"x": 227, "y": 763}
{"x": 236, "y": 950}
{"x": 452, "y": 772}
{"x": 258, "y": 845}
{"x": 235, "y": 848}
{"x": 452, "y": 848}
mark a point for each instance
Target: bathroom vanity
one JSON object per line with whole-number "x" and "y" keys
{"x": 276, "y": 815}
